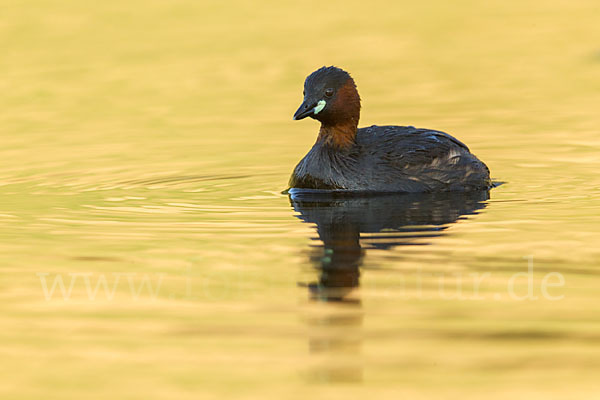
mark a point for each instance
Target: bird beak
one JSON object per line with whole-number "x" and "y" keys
{"x": 306, "y": 109}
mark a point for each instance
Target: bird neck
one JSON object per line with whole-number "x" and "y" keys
{"x": 340, "y": 135}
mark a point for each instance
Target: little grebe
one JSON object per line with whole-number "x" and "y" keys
{"x": 376, "y": 158}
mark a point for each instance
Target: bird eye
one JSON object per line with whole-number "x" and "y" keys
{"x": 329, "y": 92}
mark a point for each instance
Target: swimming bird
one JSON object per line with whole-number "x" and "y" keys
{"x": 376, "y": 158}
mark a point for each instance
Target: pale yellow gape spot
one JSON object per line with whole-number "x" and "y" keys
{"x": 320, "y": 106}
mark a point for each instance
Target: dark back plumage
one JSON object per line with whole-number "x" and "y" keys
{"x": 393, "y": 159}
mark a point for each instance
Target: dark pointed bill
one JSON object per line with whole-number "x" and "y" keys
{"x": 305, "y": 110}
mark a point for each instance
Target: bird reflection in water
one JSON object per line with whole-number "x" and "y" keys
{"x": 348, "y": 225}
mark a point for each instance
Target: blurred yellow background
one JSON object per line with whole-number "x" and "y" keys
{"x": 153, "y": 138}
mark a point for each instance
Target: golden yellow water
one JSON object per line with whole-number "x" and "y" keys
{"x": 145, "y": 145}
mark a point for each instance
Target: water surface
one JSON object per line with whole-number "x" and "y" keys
{"x": 145, "y": 149}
